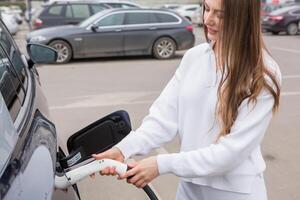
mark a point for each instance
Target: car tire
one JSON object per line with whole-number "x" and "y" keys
{"x": 275, "y": 32}
{"x": 292, "y": 29}
{"x": 164, "y": 48}
{"x": 63, "y": 49}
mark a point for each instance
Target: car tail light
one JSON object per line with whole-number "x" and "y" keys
{"x": 38, "y": 23}
{"x": 189, "y": 28}
{"x": 275, "y": 18}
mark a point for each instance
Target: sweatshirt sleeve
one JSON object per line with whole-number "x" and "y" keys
{"x": 160, "y": 125}
{"x": 246, "y": 134}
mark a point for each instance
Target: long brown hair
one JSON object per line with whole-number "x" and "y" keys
{"x": 241, "y": 57}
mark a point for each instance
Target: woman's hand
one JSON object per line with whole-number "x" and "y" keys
{"x": 114, "y": 154}
{"x": 142, "y": 172}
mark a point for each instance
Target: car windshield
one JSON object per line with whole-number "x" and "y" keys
{"x": 93, "y": 18}
{"x": 283, "y": 10}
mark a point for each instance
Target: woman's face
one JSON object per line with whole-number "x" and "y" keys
{"x": 213, "y": 16}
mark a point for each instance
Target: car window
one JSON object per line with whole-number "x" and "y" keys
{"x": 191, "y": 9}
{"x": 13, "y": 73}
{"x": 8, "y": 135}
{"x": 55, "y": 10}
{"x": 13, "y": 53}
{"x": 164, "y": 18}
{"x": 124, "y": 5}
{"x": 69, "y": 12}
{"x": 112, "y": 20}
{"x": 283, "y": 10}
{"x": 8, "y": 85}
{"x": 140, "y": 18}
{"x": 297, "y": 12}
{"x": 81, "y": 11}
{"x": 97, "y": 8}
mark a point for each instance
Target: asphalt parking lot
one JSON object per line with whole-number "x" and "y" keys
{"x": 85, "y": 90}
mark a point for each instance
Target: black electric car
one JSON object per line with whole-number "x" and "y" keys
{"x": 28, "y": 140}
{"x": 32, "y": 164}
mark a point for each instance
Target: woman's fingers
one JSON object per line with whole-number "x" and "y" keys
{"x": 100, "y": 156}
{"x": 108, "y": 171}
{"x": 140, "y": 183}
{"x": 130, "y": 173}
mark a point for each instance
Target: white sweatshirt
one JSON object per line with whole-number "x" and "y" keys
{"x": 187, "y": 106}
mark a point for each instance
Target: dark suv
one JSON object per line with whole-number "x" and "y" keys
{"x": 73, "y": 12}
{"x": 285, "y": 19}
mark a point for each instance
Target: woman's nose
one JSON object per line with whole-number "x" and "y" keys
{"x": 209, "y": 20}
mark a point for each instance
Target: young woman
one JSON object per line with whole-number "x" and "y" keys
{"x": 220, "y": 101}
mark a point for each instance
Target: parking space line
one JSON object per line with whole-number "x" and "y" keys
{"x": 287, "y": 50}
{"x": 109, "y": 99}
{"x": 290, "y": 93}
{"x": 291, "y": 76}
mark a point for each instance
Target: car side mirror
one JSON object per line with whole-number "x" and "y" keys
{"x": 96, "y": 138}
{"x": 94, "y": 28}
{"x": 41, "y": 54}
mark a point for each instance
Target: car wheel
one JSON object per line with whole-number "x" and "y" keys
{"x": 63, "y": 49}
{"x": 292, "y": 29}
{"x": 164, "y": 48}
{"x": 275, "y": 32}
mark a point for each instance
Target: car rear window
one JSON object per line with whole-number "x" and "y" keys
{"x": 97, "y": 8}
{"x": 55, "y": 10}
{"x": 164, "y": 18}
{"x": 81, "y": 11}
{"x": 283, "y": 10}
{"x": 140, "y": 18}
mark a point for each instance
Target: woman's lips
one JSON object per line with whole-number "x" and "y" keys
{"x": 212, "y": 31}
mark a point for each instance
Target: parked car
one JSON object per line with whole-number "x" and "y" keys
{"x": 11, "y": 11}
{"x": 267, "y": 8}
{"x": 74, "y": 12}
{"x": 120, "y": 32}
{"x": 10, "y": 21}
{"x": 187, "y": 10}
{"x": 28, "y": 140}
{"x": 285, "y": 19}
{"x": 170, "y": 6}
{"x": 197, "y": 17}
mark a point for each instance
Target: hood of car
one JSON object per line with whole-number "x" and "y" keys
{"x": 56, "y": 31}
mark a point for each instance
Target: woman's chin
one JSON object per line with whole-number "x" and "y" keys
{"x": 212, "y": 37}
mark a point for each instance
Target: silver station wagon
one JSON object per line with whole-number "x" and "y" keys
{"x": 119, "y": 32}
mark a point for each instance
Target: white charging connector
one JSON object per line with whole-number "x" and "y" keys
{"x": 75, "y": 175}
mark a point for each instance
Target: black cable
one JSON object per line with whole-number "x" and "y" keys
{"x": 150, "y": 192}
{"x": 146, "y": 189}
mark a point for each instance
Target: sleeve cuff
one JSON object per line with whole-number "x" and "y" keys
{"x": 126, "y": 147}
{"x": 164, "y": 163}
